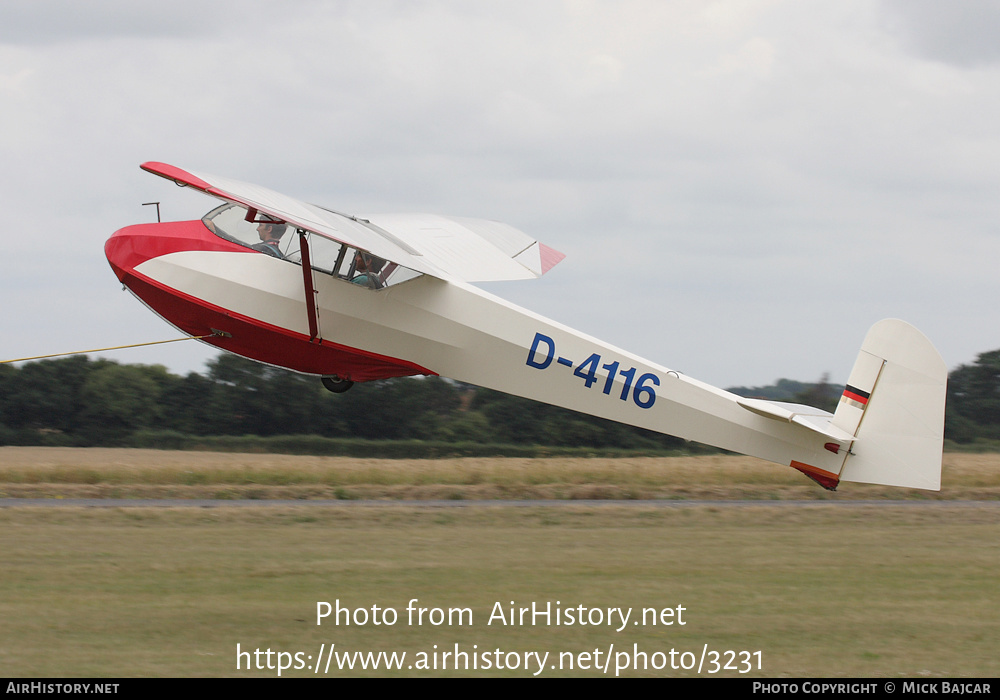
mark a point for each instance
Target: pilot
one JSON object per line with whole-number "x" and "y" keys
{"x": 270, "y": 233}
{"x": 366, "y": 269}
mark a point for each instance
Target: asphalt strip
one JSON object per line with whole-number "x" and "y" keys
{"x": 336, "y": 503}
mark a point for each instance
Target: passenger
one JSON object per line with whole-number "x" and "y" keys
{"x": 366, "y": 270}
{"x": 270, "y": 233}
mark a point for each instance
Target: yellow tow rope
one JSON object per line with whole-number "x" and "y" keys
{"x": 117, "y": 347}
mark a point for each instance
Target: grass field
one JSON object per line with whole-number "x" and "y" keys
{"x": 895, "y": 591}
{"x": 137, "y": 473}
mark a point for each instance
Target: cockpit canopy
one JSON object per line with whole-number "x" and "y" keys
{"x": 274, "y": 237}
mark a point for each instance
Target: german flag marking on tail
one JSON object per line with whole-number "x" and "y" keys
{"x": 855, "y": 397}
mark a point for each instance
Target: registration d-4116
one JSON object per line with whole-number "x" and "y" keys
{"x": 642, "y": 390}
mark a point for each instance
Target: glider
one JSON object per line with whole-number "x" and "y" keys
{"x": 355, "y": 299}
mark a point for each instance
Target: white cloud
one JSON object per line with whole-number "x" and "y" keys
{"x": 961, "y": 32}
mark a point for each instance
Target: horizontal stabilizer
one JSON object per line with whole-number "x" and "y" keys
{"x": 814, "y": 419}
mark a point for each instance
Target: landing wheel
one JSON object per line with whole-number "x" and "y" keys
{"x": 336, "y": 384}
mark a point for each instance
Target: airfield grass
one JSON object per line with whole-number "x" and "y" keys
{"x": 869, "y": 590}
{"x": 58, "y": 472}
{"x": 866, "y": 591}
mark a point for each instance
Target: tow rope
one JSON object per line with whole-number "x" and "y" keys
{"x": 117, "y": 347}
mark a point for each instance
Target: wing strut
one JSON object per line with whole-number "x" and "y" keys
{"x": 307, "y": 282}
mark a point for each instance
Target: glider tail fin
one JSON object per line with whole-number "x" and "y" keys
{"x": 894, "y": 406}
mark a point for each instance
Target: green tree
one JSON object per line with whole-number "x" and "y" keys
{"x": 45, "y": 395}
{"x": 820, "y": 395}
{"x": 400, "y": 409}
{"x": 250, "y": 398}
{"x": 117, "y": 400}
{"x": 973, "y": 408}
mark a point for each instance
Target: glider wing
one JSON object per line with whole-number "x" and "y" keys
{"x": 470, "y": 250}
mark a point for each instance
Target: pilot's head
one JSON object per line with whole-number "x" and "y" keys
{"x": 271, "y": 230}
{"x": 366, "y": 262}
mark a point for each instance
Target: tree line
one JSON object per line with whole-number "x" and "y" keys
{"x": 79, "y": 401}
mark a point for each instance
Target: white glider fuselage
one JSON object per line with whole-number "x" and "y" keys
{"x": 456, "y": 330}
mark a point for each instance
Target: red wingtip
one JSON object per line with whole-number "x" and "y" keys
{"x": 550, "y": 257}
{"x": 170, "y": 172}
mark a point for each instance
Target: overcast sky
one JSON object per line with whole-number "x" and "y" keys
{"x": 741, "y": 187}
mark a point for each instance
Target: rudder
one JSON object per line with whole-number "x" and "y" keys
{"x": 894, "y": 405}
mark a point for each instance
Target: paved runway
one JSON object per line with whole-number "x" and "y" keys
{"x": 331, "y": 503}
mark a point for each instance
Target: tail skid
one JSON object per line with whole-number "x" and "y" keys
{"x": 894, "y": 406}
